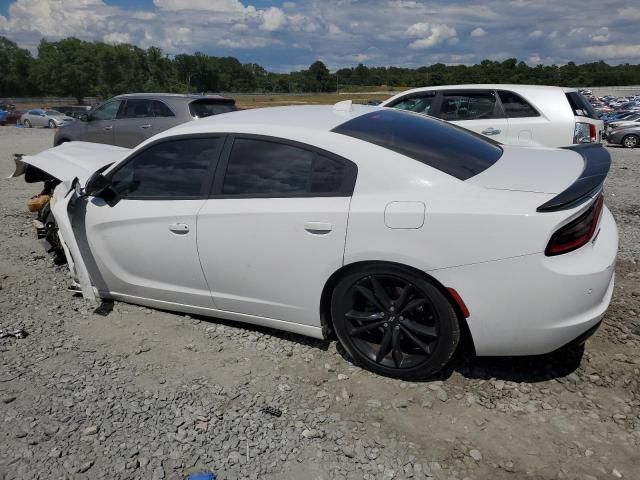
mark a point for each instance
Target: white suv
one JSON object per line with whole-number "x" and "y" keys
{"x": 529, "y": 115}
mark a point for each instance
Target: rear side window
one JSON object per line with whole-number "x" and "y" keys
{"x": 159, "y": 109}
{"x": 206, "y": 108}
{"x": 136, "y": 108}
{"x": 515, "y": 106}
{"x": 476, "y": 105}
{"x": 266, "y": 168}
{"x": 175, "y": 169}
{"x": 450, "y": 149}
{"x": 417, "y": 103}
{"x": 580, "y": 106}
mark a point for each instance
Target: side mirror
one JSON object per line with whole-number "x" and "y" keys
{"x": 96, "y": 185}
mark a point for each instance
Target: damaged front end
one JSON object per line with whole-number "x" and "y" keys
{"x": 63, "y": 170}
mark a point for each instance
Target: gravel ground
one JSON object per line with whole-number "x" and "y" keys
{"x": 141, "y": 393}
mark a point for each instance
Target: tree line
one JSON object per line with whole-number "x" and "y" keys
{"x": 76, "y": 68}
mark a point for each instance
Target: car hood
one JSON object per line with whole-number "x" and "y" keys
{"x": 72, "y": 160}
{"x": 526, "y": 169}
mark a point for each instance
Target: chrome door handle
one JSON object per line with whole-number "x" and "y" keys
{"x": 491, "y": 131}
{"x": 180, "y": 228}
{"x": 110, "y": 127}
{"x": 146, "y": 125}
{"x": 318, "y": 228}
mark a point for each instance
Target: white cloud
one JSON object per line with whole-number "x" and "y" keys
{"x": 273, "y": 19}
{"x": 552, "y": 35}
{"x": 478, "y": 32}
{"x": 629, "y": 13}
{"x": 534, "y": 59}
{"x": 117, "y": 37}
{"x": 202, "y": 5}
{"x": 536, "y": 34}
{"x": 600, "y": 35}
{"x": 432, "y": 35}
{"x": 614, "y": 51}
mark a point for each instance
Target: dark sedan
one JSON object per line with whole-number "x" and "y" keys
{"x": 628, "y": 137}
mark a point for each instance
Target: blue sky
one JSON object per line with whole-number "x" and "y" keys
{"x": 283, "y": 35}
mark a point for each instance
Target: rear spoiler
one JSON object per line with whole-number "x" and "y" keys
{"x": 596, "y": 166}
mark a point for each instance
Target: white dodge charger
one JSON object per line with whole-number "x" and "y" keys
{"x": 397, "y": 232}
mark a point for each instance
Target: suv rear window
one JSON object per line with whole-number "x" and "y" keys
{"x": 207, "y": 107}
{"x": 580, "y": 106}
{"x": 446, "y": 147}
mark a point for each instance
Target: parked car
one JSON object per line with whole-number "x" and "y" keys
{"x": 13, "y": 116}
{"x": 394, "y": 230}
{"x": 3, "y": 116}
{"x": 44, "y": 118}
{"x": 529, "y": 115}
{"x": 629, "y": 121}
{"x": 627, "y": 136}
{"x": 128, "y": 120}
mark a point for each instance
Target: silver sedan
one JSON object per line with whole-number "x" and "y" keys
{"x": 44, "y": 118}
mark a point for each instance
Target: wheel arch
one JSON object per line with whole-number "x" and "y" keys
{"x": 325, "y": 298}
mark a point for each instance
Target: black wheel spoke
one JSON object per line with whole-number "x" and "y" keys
{"x": 385, "y": 345}
{"x": 413, "y": 304}
{"x": 396, "y": 352}
{"x": 380, "y": 293}
{"x": 355, "y": 331}
{"x": 364, "y": 316}
{"x": 419, "y": 329}
{"x": 424, "y": 346}
{"x": 371, "y": 298}
{"x": 404, "y": 296}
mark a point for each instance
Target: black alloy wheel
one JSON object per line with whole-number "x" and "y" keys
{"x": 395, "y": 322}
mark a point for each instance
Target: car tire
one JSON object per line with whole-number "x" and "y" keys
{"x": 27, "y": 124}
{"x": 630, "y": 141}
{"x": 52, "y": 124}
{"x": 394, "y": 322}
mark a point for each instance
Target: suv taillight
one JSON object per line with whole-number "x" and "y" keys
{"x": 577, "y": 233}
{"x": 585, "y": 133}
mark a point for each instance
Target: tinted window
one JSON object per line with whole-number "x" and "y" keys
{"x": 440, "y": 145}
{"x": 159, "y": 109}
{"x": 107, "y": 111}
{"x": 417, "y": 103}
{"x": 137, "y": 108}
{"x": 580, "y": 105}
{"x": 468, "y": 105}
{"x": 259, "y": 167}
{"x": 515, "y": 106}
{"x": 175, "y": 168}
{"x": 206, "y": 108}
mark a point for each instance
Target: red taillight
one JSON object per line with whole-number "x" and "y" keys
{"x": 593, "y": 133}
{"x": 576, "y": 233}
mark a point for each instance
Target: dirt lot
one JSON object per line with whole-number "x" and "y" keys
{"x": 141, "y": 393}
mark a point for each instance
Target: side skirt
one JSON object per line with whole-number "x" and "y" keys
{"x": 299, "y": 328}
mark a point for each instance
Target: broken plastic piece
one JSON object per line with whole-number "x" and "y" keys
{"x": 18, "y": 333}
{"x": 105, "y": 308}
{"x": 276, "y": 412}
{"x": 201, "y": 476}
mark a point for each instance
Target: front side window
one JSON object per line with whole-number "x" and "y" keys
{"x": 416, "y": 103}
{"x": 266, "y": 168}
{"x": 137, "y": 108}
{"x": 171, "y": 169}
{"x": 107, "y": 111}
{"x": 477, "y": 105}
{"x": 515, "y": 106}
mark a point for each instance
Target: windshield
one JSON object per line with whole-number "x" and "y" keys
{"x": 441, "y": 145}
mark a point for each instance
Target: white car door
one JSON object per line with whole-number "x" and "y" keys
{"x": 144, "y": 246}
{"x": 526, "y": 126}
{"x": 275, "y": 228}
{"x": 476, "y": 110}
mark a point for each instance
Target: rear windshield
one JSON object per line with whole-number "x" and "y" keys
{"x": 207, "y": 107}
{"x": 580, "y": 106}
{"x": 448, "y": 148}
